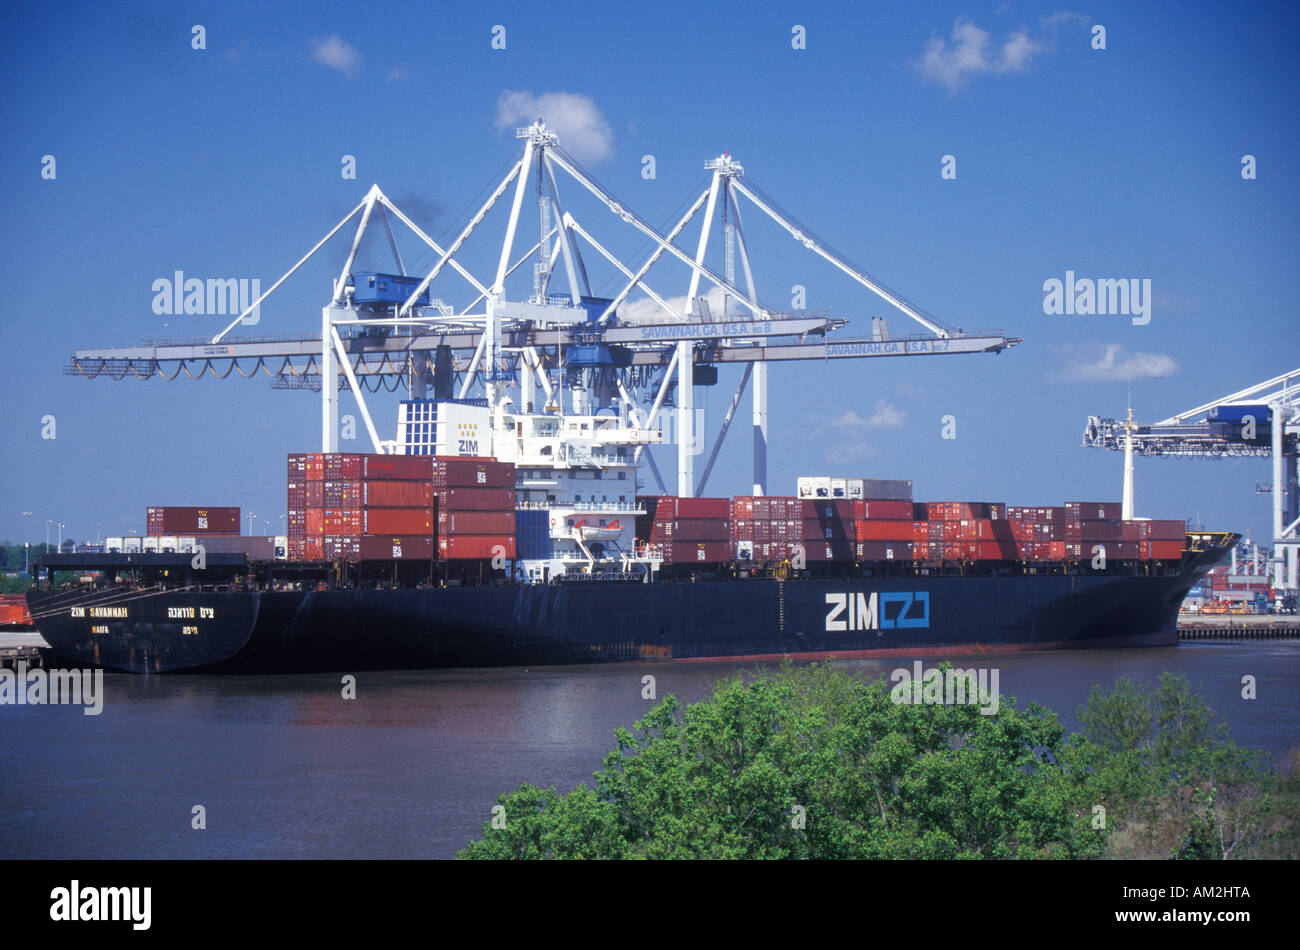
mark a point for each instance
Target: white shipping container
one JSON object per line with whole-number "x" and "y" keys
{"x": 112, "y": 544}
{"x": 149, "y": 544}
{"x": 281, "y": 546}
{"x": 131, "y": 545}
{"x": 814, "y": 486}
{"x": 168, "y": 543}
{"x": 187, "y": 545}
{"x": 855, "y": 488}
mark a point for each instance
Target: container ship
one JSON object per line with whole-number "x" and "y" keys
{"x": 496, "y": 537}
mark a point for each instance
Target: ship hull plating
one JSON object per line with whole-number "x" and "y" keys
{"x": 353, "y": 629}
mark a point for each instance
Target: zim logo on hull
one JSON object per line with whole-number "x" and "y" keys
{"x": 877, "y": 611}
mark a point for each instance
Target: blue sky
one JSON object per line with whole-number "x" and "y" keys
{"x": 225, "y": 162}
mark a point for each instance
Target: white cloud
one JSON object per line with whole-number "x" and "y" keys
{"x": 886, "y": 416}
{"x": 844, "y": 437}
{"x": 582, "y": 130}
{"x": 646, "y": 310}
{"x": 333, "y": 52}
{"x": 1110, "y": 364}
{"x": 971, "y": 51}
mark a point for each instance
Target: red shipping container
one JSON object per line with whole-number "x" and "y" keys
{"x": 831, "y": 530}
{"x": 1057, "y": 550}
{"x": 831, "y": 509}
{"x": 1093, "y": 531}
{"x": 315, "y": 522}
{"x": 883, "y": 530}
{"x": 883, "y": 550}
{"x": 822, "y": 551}
{"x": 1160, "y": 550}
{"x": 343, "y": 466}
{"x": 920, "y": 550}
{"x": 475, "y": 522}
{"x": 742, "y": 530}
{"x": 471, "y": 471}
{"x": 345, "y": 522}
{"x": 1162, "y": 531}
{"x": 342, "y": 493}
{"x": 697, "y": 529}
{"x": 396, "y": 547}
{"x": 396, "y": 494}
{"x": 335, "y": 546}
{"x": 416, "y": 467}
{"x": 1130, "y": 530}
{"x": 315, "y": 467}
{"x": 887, "y": 509}
{"x": 1093, "y": 510}
{"x": 308, "y": 549}
{"x": 298, "y": 466}
{"x": 995, "y": 551}
{"x": 184, "y": 520}
{"x": 473, "y": 547}
{"x": 476, "y": 499}
{"x": 315, "y": 494}
{"x": 298, "y": 494}
{"x": 398, "y": 521}
{"x": 671, "y": 506}
{"x": 698, "y": 552}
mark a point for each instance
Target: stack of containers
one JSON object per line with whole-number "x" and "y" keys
{"x": 355, "y": 506}
{"x": 766, "y": 528}
{"x": 884, "y": 530}
{"x": 1091, "y": 524}
{"x": 476, "y": 507}
{"x": 828, "y": 528}
{"x": 1161, "y": 540}
{"x": 968, "y": 531}
{"x": 686, "y": 530}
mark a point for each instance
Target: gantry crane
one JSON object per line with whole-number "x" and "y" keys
{"x": 1259, "y": 421}
{"x": 499, "y": 341}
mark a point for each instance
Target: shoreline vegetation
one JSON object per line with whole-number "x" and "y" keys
{"x": 812, "y": 761}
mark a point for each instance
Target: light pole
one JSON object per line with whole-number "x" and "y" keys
{"x": 251, "y": 516}
{"x": 27, "y": 547}
{"x": 61, "y": 527}
{"x": 48, "y": 522}
{"x": 27, "y": 538}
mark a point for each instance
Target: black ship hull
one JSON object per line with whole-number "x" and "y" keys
{"x": 354, "y": 629}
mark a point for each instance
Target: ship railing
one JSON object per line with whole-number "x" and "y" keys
{"x": 577, "y": 577}
{"x": 626, "y": 507}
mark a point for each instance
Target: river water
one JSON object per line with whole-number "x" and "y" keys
{"x": 285, "y": 767}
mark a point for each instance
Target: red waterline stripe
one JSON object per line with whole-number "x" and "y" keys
{"x": 963, "y": 649}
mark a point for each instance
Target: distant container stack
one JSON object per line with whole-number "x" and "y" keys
{"x": 358, "y": 507}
